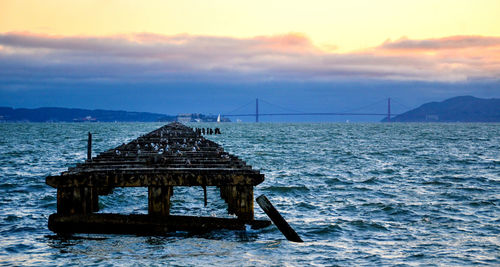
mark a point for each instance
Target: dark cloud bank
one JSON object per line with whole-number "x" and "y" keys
{"x": 183, "y": 73}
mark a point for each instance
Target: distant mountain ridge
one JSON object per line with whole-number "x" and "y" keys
{"x": 456, "y": 109}
{"x": 50, "y": 114}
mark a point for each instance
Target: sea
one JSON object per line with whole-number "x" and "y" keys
{"x": 363, "y": 194}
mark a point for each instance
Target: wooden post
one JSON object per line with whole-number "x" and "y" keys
{"x": 245, "y": 203}
{"x": 278, "y": 220}
{"x": 159, "y": 200}
{"x": 231, "y": 199}
{"x": 239, "y": 201}
{"x": 205, "y": 195}
{"x": 223, "y": 192}
{"x": 76, "y": 200}
{"x": 89, "y": 147}
{"x": 95, "y": 199}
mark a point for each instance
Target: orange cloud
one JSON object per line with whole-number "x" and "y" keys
{"x": 146, "y": 56}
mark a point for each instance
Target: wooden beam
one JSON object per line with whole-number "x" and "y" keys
{"x": 277, "y": 219}
{"x": 144, "y": 224}
{"x": 157, "y": 177}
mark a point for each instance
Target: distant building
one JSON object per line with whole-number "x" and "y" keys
{"x": 185, "y": 117}
{"x": 86, "y": 119}
{"x": 197, "y": 117}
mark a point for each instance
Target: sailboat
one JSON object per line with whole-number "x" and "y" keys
{"x": 218, "y": 118}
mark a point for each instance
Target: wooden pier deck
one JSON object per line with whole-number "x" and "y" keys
{"x": 173, "y": 155}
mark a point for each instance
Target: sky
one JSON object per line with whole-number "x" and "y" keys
{"x": 215, "y": 56}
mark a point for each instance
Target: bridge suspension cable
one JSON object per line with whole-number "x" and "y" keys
{"x": 401, "y": 104}
{"x": 378, "y": 102}
{"x": 240, "y": 107}
{"x": 300, "y": 113}
{"x": 280, "y": 107}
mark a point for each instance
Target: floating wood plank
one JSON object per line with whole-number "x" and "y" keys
{"x": 277, "y": 219}
{"x": 143, "y": 224}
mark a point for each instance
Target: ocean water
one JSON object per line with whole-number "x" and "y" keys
{"x": 358, "y": 194}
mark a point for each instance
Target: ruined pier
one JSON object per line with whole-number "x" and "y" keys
{"x": 173, "y": 155}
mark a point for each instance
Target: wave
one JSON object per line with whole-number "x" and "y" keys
{"x": 287, "y": 189}
{"x": 326, "y": 229}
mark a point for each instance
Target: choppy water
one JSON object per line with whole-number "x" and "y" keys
{"x": 358, "y": 194}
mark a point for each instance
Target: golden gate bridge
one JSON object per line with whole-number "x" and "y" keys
{"x": 258, "y": 114}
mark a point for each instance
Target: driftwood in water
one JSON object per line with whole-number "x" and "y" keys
{"x": 278, "y": 220}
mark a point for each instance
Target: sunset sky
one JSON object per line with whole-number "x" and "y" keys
{"x": 77, "y": 53}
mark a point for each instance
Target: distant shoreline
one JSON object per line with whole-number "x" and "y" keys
{"x": 461, "y": 109}
{"x": 51, "y": 114}
{"x": 457, "y": 109}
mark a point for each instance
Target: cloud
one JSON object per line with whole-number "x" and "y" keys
{"x": 147, "y": 57}
{"x": 453, "y": 42}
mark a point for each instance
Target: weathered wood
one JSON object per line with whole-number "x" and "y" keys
{"x": 168, "y": 165}
{"x": 205, "y": 195}
{"x": 173, "y": 155}
{"x": 89, "y": 147}
{"x": 244, "y": 203}
{"x": 277, "y": 219}
{"x": 94, "y": 192}
{"x": 156, "y": 176}
{"x": 248, "y": 209}
{"x": 159, "y": 200}
{"x": 103, "y": 191}
{"x": 230, "y": 197}
{"x": 144, "y": 224}
{"x": 77, "y": 200}
{"x": 164, "y": 160}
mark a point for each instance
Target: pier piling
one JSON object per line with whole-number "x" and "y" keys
{"x": 89, "y": 147}
{"x": 277, "y": 219}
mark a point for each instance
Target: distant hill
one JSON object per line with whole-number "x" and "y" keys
{"x": 456, "y": 109}
{"x": 75, "y": 115}
{"x": 8, "y": 114}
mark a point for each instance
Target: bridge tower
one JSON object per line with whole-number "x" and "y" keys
{"x": 256, "y": 110}
{"x": 389, "y": 109}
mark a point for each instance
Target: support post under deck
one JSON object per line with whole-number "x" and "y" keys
{"x": 77, "y": 200}
{"x": 159, "y": 200}
{"x": 239, "y": 201}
